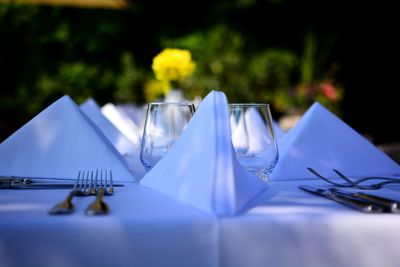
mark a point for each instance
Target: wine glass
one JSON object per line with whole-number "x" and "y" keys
{"x": 165, "y": 121}
{"x": 253, "y": 138}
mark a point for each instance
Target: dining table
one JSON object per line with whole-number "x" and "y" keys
{"x": 198, "y": 206}
{"x": 283, "y": 226}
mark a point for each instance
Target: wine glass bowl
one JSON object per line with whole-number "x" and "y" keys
{"x": 165, "y": 121}
{"x": 253, "y": 138}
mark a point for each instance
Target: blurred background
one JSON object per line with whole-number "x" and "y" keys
{"x": 287, "y": 53}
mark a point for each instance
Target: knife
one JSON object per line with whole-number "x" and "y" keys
{"x": 37, "y": 183}
{"x": 347, "y": 200}
{"x": 389, "y": 205}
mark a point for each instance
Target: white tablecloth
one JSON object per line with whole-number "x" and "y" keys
{"x": 284, "y": 226}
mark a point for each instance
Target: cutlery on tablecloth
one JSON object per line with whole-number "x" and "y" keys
{"x": 388, "y": 204}
{"x": 382, "y": 180}
{"x": 24, "y": 183}
{"x": 344, "y": 199}
{"x": 102, "y": 187}
{"x": 88, "y": 183}
{"x": 82, "y": 187}
{"x": 37, "y": 183}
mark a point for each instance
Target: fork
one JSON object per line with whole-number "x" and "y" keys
{"x": 356, "y": 183}
{"x": 99, "y": 207}
{"x": 82, "y": 187}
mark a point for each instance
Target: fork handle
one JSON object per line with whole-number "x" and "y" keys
{"x": 64, "y": 207}
{"x": 98, "y": 207}
{"x": 71, "y": 195}
{"x": 100, "y": 194}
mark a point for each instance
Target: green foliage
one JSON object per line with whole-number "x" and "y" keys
{"x": 224, "y": 64}
{"x": 272, "y": 72}
{"x": 47, "y": 52}
{"x": 308, "y": 60}
{"x": 218, "y": 53}
{"x": 130, "y": 81}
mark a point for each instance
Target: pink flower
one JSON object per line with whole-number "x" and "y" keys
{"x": 329, "y": 91}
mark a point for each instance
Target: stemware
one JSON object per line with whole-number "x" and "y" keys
{"x": 165, "y": 121}
{"x": 253, "y": 138}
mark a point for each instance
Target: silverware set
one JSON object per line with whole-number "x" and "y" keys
{"x": 351, "y": 192}
{"x": 88, "y": 183}
{"x": 359, "y": 200}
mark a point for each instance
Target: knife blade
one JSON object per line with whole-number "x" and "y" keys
{"x": 349, "y": 201}
{"x": 38, "y": 183}
{"x": 36, "y": 186}
{"x": 389, "y": 205}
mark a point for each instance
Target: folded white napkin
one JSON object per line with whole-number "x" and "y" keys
{"x": 279, "y": 133}
{"x": 136, "y": 113}
{"x": 125, "y": 147}
{"x": 201, "y": 168}
{"x": 59, "y": 142}
{"x": 322, "y": 141}
{"x": 123, "y": 123}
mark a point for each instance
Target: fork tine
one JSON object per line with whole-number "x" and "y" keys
{"x": 101, "y": 185}
{"x": 341, "y": 175}
{"x": 326, "y": 179}
{"x": 87, "y": 182}
{"x": 80, "y": 183}
{"x": 96, "y": 181}
{"x": 77, "y": 181}
{"x": 81, "y": 186}
{"x": 106, "y": 185}
{"x": 111, "y": 189}
{"x": 91, "y": 187}
{"x": 353, "y": 184}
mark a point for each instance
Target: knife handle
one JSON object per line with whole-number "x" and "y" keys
{"x": 356, "y": 203}
{"x": 388, "y": 204}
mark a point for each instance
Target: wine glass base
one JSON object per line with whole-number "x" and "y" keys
{"x": 261, "y": 175}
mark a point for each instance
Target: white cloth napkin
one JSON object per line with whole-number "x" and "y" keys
{"x": 136, "y": 113}
{"x": 123, "y": 123}
{"x": 279, "y": 133}
{"x": 322, "y": 141}
{"x": 59, "y": 142}
{"x": 201, "y": 168}
{"x": 125, "y": 147}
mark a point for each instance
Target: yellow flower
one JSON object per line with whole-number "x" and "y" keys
{"x": 173, "y": 65}
{"x": 155, "y": 89}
